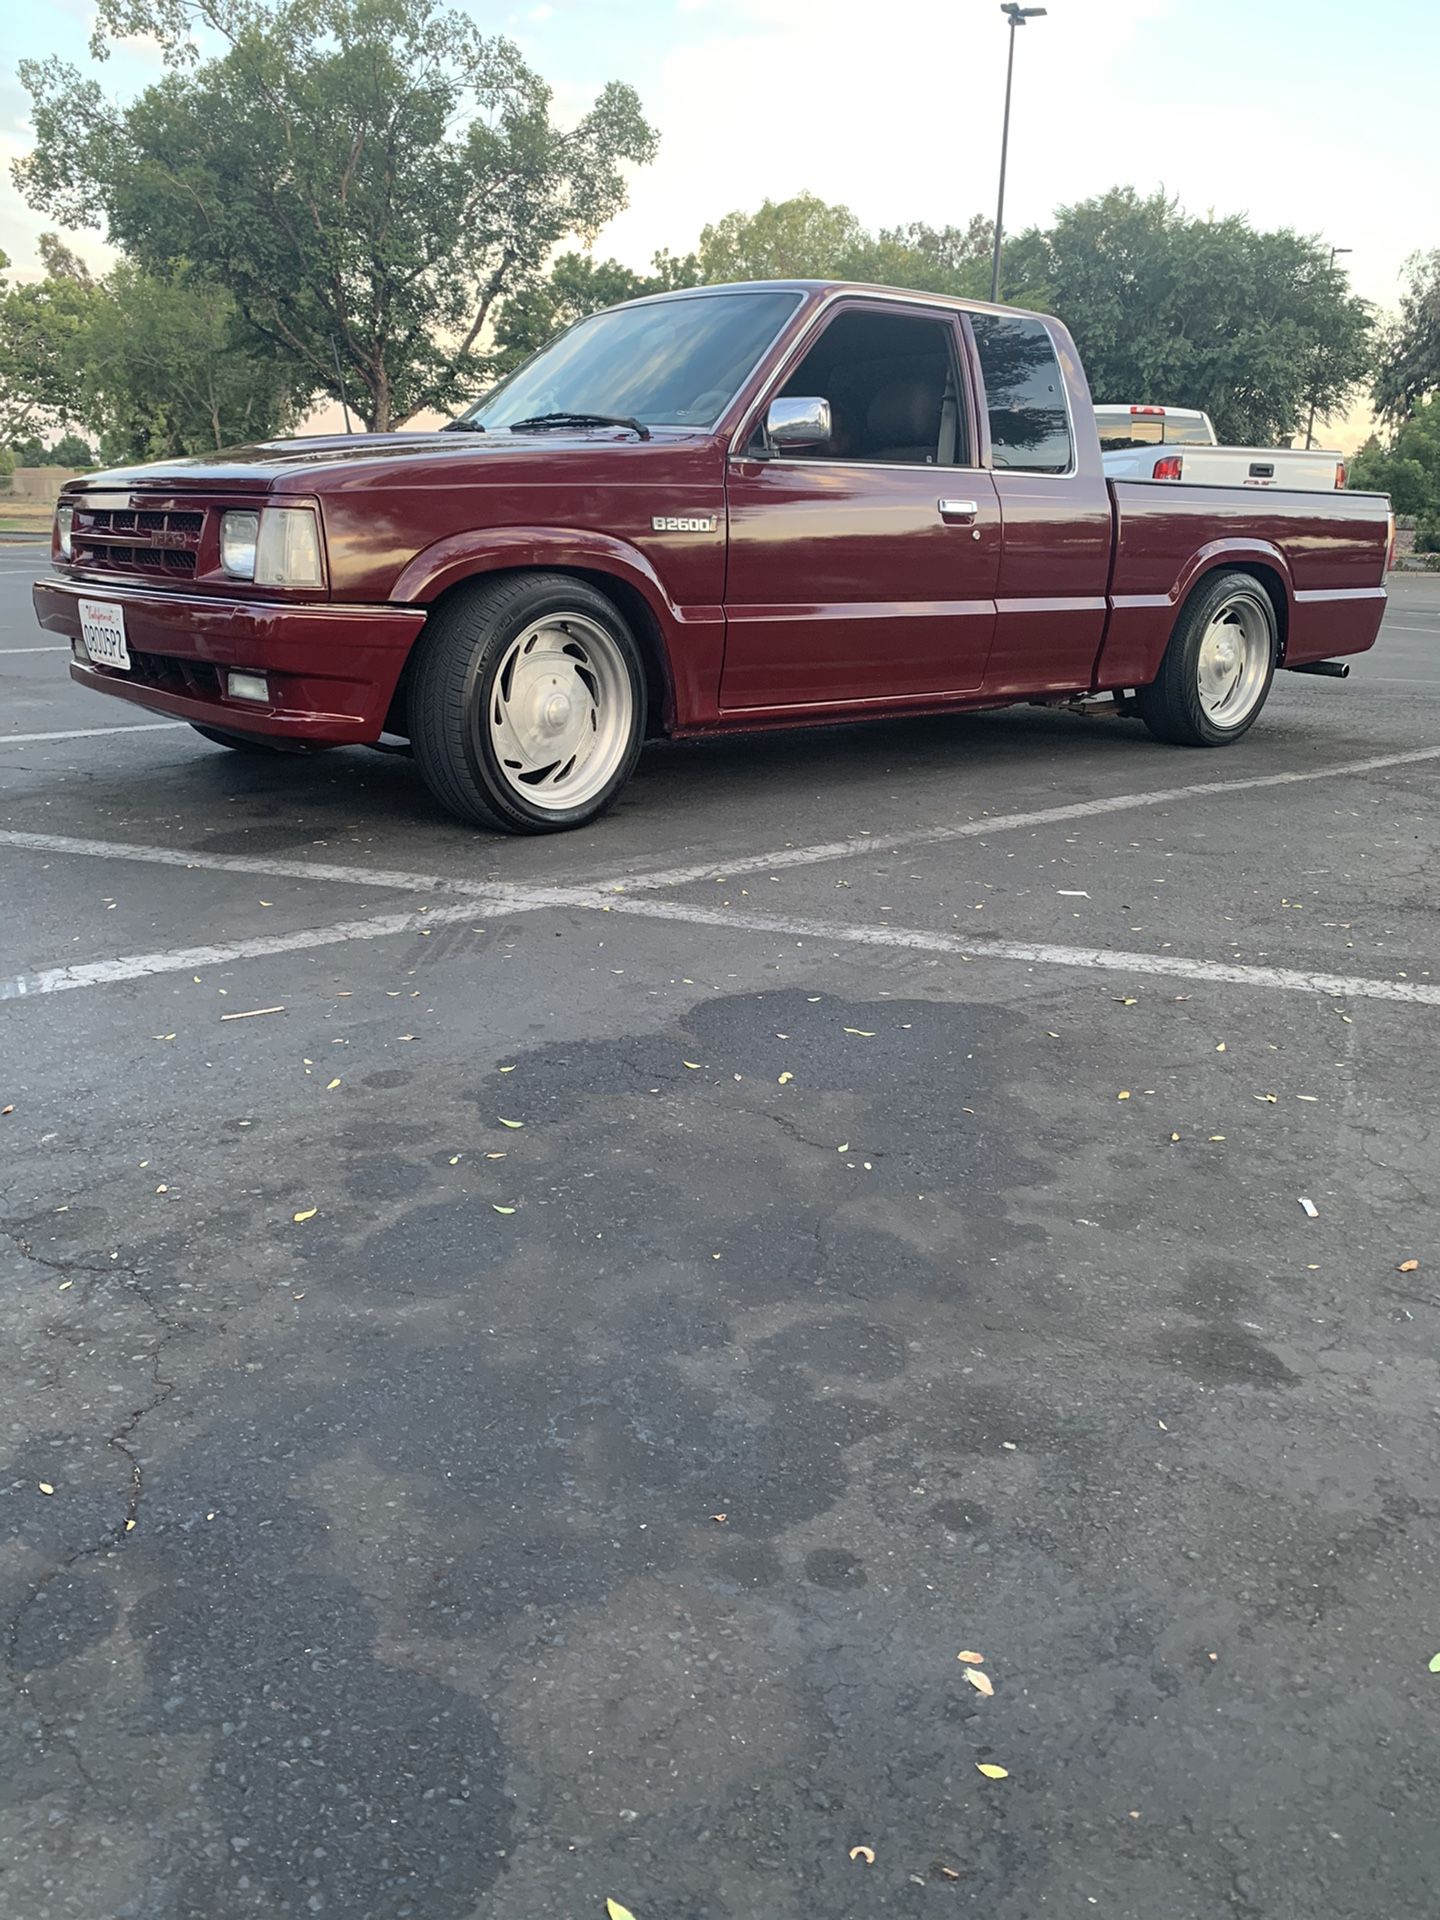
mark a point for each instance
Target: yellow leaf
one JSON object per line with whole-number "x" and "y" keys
{"x": 44, "y": 1486}
{"x": 991, "y": 1772}
{"x": 500, "y": 1209}
{"x": 785, "y": 1079}
{"x": 694, "y": 1065}
{"x": 980, "y": 1681}
{"x": 129, "y": 1526}
{"x": 860, "y": 1033}
{"x": 971, "y": 1659}
{"x": 510, "y": 1123}
{"x": 1407, "y": 1266}
{"x": 615, "y": 1911}
{"x": 507, "y": 1069}
{"x": 1221, "y": 1047}
{"x": 308, "y": 1214}
{"x": 844, "y": 1147}
{"x": 332, "y": 1086}
{"x": 454, "y": 1159}
{"x": 70, "y": 1283}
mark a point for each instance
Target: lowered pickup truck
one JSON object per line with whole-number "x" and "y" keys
{"x": 732, "y": 507}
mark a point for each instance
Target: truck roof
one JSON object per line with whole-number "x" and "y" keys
{"x": 816, "y": 288}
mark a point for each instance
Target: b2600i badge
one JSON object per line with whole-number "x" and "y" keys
{"x": 683, "y": 523}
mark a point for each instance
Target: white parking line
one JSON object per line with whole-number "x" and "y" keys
{"x": 999, "y": 823}
{"x": 6, "y": 651}
{"x": 86, "y": 733}
{"x": 136, "y": 966}
{"x": 1041, "y": 954}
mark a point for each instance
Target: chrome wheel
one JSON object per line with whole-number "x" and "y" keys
{"x": 561, "y": 712}
{"x": 1233, "y": 664}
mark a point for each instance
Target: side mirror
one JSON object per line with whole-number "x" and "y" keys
{"x": 799, "y": 422}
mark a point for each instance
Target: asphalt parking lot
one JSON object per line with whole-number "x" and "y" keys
{"x": 525, "y": 1362}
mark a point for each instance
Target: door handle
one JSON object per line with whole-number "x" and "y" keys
{"x": 962, "y": 510}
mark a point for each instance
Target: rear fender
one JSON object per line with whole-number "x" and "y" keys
{"x": 1140, "y": 624}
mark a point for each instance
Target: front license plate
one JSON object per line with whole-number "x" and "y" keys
{"x": 102, "y": 627}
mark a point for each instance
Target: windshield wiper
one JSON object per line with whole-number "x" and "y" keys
{"x": 539, "y": 421}
{"x": 462, "y": 426}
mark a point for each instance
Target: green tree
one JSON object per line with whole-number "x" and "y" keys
{"x": 44, "y": 326}
{"x": 71, "y": 451}
{"x": 366, "y": 178}
{"x": 804, "y": 238}
{"x": 1199, "y": 313}
{"x": 1408, "y": 470}
{"x": 575, "y": 286}
{"x": 1409, "y": 358}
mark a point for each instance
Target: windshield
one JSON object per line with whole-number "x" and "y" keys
{"x": 678, "y": 363}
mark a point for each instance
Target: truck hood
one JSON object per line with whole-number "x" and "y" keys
{"x": 257, "y": 468}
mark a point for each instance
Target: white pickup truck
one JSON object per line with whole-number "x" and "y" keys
{"x": 1178, "y": 443}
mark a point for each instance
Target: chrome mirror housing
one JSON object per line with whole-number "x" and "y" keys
{"x": 798, "y": 422}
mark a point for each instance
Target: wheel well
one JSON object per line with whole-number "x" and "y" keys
{"x": 1274, "y": 587}
{"x": 628, "y": 601}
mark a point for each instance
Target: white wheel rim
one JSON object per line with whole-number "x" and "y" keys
{"x": 561, "y": 711}
{"x": 1234, "y": 661}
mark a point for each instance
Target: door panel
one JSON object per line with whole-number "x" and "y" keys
{"x": 847, "y": 583}
{"x": 1054, "y": 573}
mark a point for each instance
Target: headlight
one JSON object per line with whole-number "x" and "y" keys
{"x": 238, "y": 535}
{"x": 64, "y": 521}
{"x": 288, "y": 553}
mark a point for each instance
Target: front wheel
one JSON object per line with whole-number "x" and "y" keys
{"x": 1218, "y": 667}
{"x": 527, "y": 705}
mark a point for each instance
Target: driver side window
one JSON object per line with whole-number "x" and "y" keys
{"x": 894, "y": 394}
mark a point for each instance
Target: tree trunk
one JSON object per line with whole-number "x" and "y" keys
{"x": 380, "y": 403}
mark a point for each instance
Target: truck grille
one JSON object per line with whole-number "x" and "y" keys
{"x": 137, "y": 544}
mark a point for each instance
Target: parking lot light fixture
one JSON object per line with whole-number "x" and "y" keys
{"x": 1017, "y": 16}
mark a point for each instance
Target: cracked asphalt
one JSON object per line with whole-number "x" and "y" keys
{"x": 453, "y": 1518}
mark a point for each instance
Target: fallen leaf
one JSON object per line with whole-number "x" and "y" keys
{"x": 496, "y": 1156}
{"x": 1217, "y": 1136}
{"x": 1122, "y": 1096}
{"x": 1072, "y": 893}
{"x": 948, "y": 1873}
{"x": 1008, "y": 1445}
{"x": 70, "y": 1283}
{"x": 1313, "y": 1098}
{"x": 507, "y": 1069}
{"x": 990, "y": 1771}
{"x": 867, "y": 1854}
{"x": 785, "y": 1079}
{"x": 1174, "y": 1136}
{"x": 860, "y": 1033}
{"x": 510, "y": 1123}
{"x": 615, "y": 1911}
{"x": 694, "y": 1065}
{"x": 981, "y": 1682}
{"x": 1221, "y": 1047}
{"x": 1407, "y": 1266}
{"x": 1129, "y": 1003}
{"x": 454, "y": 1159}
{"x": 332, "y": 1086}
{"x": 720, "y": 1518}
{"x": 129, "y": 1526}
{"x": 844, "y": 1147}
{"x": 971, "y": 1659}
{"x": 1435, "y": 1663}
{"x": 500, "y": 1209}
{"x": 308, "y": 1214}
{"x": 9, "y": 1109}
{"x": 44, "y": 1486}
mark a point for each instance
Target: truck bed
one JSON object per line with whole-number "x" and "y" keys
{"x": 1322, "y": 554}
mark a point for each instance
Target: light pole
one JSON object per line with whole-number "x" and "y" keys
{"x": 1017, "y": 16}
{"x": 1310, "y": 429}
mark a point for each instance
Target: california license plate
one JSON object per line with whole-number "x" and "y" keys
{"x": 102, "y": 628}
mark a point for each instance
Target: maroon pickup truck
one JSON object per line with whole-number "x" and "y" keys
{"x": 735, "y": 507}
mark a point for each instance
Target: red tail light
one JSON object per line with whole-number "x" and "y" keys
{"x": 1159, "y": 410}
{"x": 1169, "y": 468}
{"x": 1339, "y": 475}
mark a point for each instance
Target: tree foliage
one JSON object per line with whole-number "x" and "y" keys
{"x": 366, "y": 178}
{"x": 1206, "y": 313}
{"x": 1408, "y": 470}
{"x": 1408, "y": 365}
{"x": 149, "y": 364}
{"x": 575, "y": 286}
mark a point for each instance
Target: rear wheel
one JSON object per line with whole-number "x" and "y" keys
{"x": 1218, "y": 667}
{"x": 527, "y": 704}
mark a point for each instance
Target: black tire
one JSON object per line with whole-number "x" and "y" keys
{"x": 1172, "y": 707}
{"x": 256, "y": 743}
{"x": 453, "y": 695}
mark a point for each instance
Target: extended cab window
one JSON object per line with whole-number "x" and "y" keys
{"x": 1029, "y": 427}
{"x": 891, "y": 382}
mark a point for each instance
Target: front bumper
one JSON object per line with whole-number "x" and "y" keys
{"x": 332, "y": 670}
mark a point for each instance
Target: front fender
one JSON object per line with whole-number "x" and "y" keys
{"x": 690, "y": 639}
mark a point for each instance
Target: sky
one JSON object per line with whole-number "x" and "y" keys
{"x": 1312, "y": 114}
